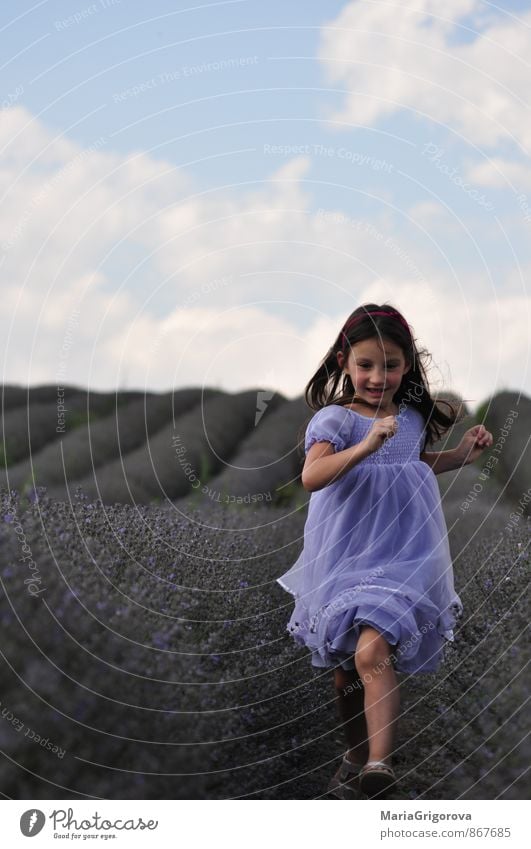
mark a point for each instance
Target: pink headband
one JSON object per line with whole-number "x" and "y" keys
{"x": 366, "y": 315}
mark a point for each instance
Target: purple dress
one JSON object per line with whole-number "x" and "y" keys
{"x": 375, "y": 551}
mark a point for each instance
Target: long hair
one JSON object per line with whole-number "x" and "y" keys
{"x": 330, "y": 385}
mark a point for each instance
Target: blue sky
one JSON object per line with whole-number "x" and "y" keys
{"x": 202, "y": 195}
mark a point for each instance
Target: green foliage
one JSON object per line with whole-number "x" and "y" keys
{"x": 292, "y": 495}
{"x": 481, "y": 416}
{"x": 76, "y": 419}
{"x": 205, "y": 467}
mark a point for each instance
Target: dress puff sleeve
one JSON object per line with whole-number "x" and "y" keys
{"x": 329, "y": 424}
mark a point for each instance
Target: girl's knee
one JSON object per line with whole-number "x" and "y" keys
{"x": 373, "y": 652}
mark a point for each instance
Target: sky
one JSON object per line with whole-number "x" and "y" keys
{"x": 199, "y": 194}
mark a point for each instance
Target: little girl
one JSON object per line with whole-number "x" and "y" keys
{"x": 373, "y": 586}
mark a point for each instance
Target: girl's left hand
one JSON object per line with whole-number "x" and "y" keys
{"x": 473, "y": 443}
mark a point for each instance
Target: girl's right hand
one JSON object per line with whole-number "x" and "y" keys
{"x": 379, "y": 432}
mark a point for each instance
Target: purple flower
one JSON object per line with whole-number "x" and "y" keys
{"x": 8, "y": 518}
{"x": 80, "y": 709}
{"x": 160, "y": 640}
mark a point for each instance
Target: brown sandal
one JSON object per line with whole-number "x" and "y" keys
{"x": 344, "y": 784}
{"x": 375, "y": 777}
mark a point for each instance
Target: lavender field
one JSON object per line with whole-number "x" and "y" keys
{"x": 143, "y": 634}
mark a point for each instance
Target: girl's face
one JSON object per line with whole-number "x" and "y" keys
{"x": 376, "y": 367}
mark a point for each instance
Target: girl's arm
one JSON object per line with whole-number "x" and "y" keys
{"x": 442, "y": 461}
{"x": 472, "y": 445}
{"x": 324, "y": 465}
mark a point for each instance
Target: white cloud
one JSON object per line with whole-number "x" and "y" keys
{"x": 393, "y": 56}
{"x": 210, "y": 236}
{"x": 239, "y": 348}
{"x": 500, "y": 173}
{"x": 171, "y": 287}
{"x": 428, "y": 209}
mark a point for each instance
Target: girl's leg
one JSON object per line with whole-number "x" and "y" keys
{"x": 382, "y": 696}
{"x": 350, "y": 694}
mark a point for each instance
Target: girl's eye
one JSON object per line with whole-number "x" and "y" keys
{"x": 366, "y": 365}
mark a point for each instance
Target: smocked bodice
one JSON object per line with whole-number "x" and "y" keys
{"x": 345, "y": 427}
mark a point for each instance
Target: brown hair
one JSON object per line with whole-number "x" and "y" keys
{"x": 330, "y": 385}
